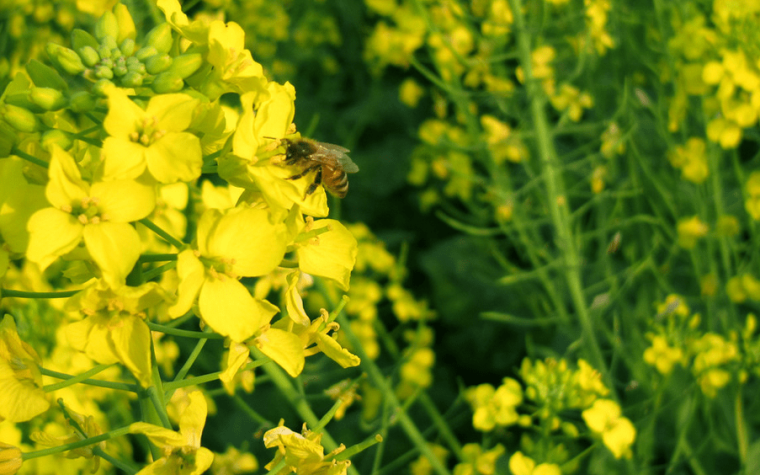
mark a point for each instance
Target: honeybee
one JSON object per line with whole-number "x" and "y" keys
{"x": 329, "y": 161}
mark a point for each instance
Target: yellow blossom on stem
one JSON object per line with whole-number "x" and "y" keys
{"x": 10, "y": 459}
{"x": 153, "y": 139}
{"x": 21, "y": 395}
{"x": 303, "y": 453}
{"x": 520, "y": 464}
{"x": 233, "y": 462}
{"x": 181, "y": 451}
{"x": 752, "y": 204}
{"x": 242, "y": 242}
{"x": 476, "y": 461}
{"x": 331, "y": 254}
{"x": 115, "y": 330}
{"x": 618, "y": 433}
{"x": 98, "y": 214}
{"x": 662, "y": 356}
{"x": 88, "y": 427}
{"x": 689, "y": 231}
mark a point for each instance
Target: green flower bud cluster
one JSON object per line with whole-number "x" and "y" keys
{"x": 108, "y": 56}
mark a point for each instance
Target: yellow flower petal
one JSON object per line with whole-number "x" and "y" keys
{"x": 229, "y": 309}
{"x": 192, "y": 275}
{"x": 131, "y": 342}
{"x": 52, "y": 233}
{"x": 115, "y": 248}
{"x": 335, "y": 352}
{"x": 331, "y": 254}
{"x": 294, "y": 302}
{"x": 285, "y": 348}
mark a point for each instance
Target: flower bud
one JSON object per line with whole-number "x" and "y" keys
{"x": 186, "y": 64}
{"x": 145, "y": 53}
{"x": 80, "y": 39}
{"x": 126, "y": 23}
{"x": 107, "y": 26}
{"x": 132, "y": 79}
{"x": 103, "y": 72}
{"x": 48, "y": 98}
{"x": 10, "y": 459}
{"x": 44, "y": 76}
{"x": 66, "y": 58}
{"x": 56, "y": 137}
{"x": 19, "y": 118}
{"x": 100, "y": 87}
{"x": 158, "y": 63}
{"x": 120, "y": 69}
{"x": 21, "y": 99}
{"x": 81, "y": 101}
{"x": 8, "y": 137}
{"x": 127, "y": 47}
{"x": 89, "y": 56}
{"x": 104, "y": 52}
{"x": 167, "y": 82}
{"x": 160, "y": 38}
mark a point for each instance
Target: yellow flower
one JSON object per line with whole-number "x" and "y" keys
{"x": 10, "y": 459}
{"x": 618, "y": 434}
{"x": 520, "y": 464}
{"x": 241, "y": 242}
{"x": 153, "y": 139}
{"x": 662, "y": 356}
{"x": 89, "y": 428}
{"x": 331, "y": 254}
{"x": 21, "y": 395}
{"x": 713, "y": 351}
{"x": 410, "y": 92}
{"x": 233, "y": 462}
{"x": 689, "y": 231}
{"x": 115, "y": 329}
{"x": 477, "y": 462}
{"x": 98, "y": 213}
{"x": 752, "y": 205}
{"x": 303, "y": 453}
{"x": 691, "y": 159}
{"x": 181, "y": 451}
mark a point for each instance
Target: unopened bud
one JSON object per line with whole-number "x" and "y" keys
{"x": 145, "y": 53}
{"x": 89, "y": 56}
{"x": 132, "y": 79}
{"x": 56, "y": 137}
{"x": 19, "y": 118}
{"x": 103, "y": 72}
{"x": 186, "y": 64}
{"x": 167, "y": 82}
{"x": 160, "y": 38}
{"x": 107, "y": 26}
{"x": 126, "y": 23}
{"x": 82, "y": 101}
{"x": 121, "y": 68}
{"x": 44, "y": 76}
{"x": 80, "y": 39}
{"x": 127, "y": 47}
{"x": 158, "y": 63}
{"x": 8, "y": 138}
{"x": 66, "y": 58}
{"x": 48, "y": 98}
{"x": 21, "y": 99}
{"x": 100, "y": 87}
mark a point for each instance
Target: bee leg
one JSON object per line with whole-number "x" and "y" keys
{"x": 317, "y": 181}
{"x": 303, "y": 173}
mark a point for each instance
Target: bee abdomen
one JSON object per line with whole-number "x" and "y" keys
{"x": 341, "y": 186}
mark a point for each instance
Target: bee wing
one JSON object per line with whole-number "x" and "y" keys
{"x": 327, "y": 152}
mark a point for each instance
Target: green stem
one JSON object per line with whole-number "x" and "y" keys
{"x": 188, "y": 363}
{"x": 556, "y": 199}
{"x": 245, "y": 407}
{"x": 158, "y": 257}
{"x": 156, "y": 391}
{"x": 76, "y": 379}
{"x": 166, "y": 236}
{"x": 206, "y": 378}
{"x": 22, "y": 294}
{"x": 91, "y": 382}
{"x": 29, "y": 158}
{"x": 741, "y": 428}
{"x": 377, "y": 378}
{"x": 355, "y": 449}
{"x": 76, "y": 445}
{"x": 157, "y": 327}
{"x": 147, "y": 276}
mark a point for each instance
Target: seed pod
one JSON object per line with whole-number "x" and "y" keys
{"x": 167, "y": 82}
{"x": 19, "y": 118}
{"x": 48, "y": 98}
{"x": 186, "y": 64}
{"x": 158, "y": 63}
{"x": 160, "y": 38}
